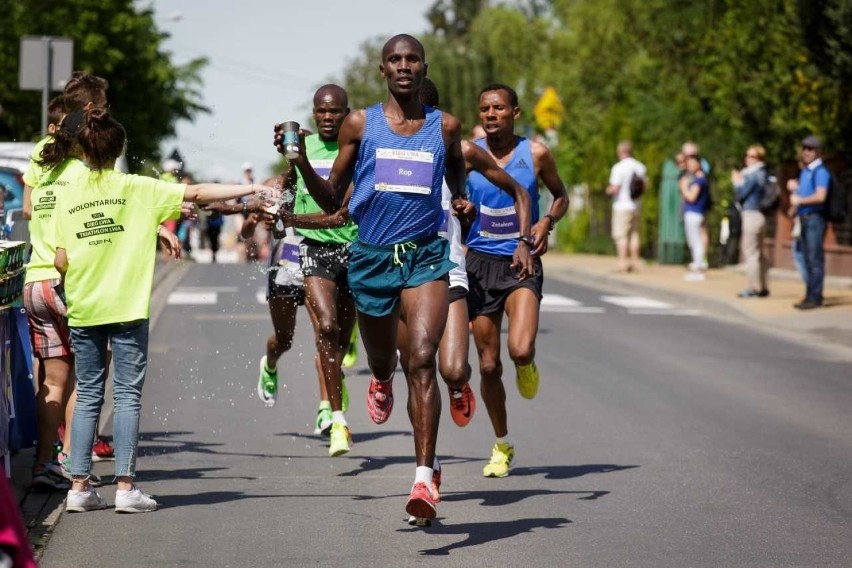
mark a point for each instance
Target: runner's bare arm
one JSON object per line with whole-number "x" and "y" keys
{"x": 454, "y": 172}
{"x": 329, "y": 193}
{"x": 60, "y": 261}
{"x": 28, "y": 202}
{"x": 545, "y": 167}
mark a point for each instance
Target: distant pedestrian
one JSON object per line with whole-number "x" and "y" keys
{"x": 750, "y": 184}
{"x": 696, "y": 197}
{"x": 627, "y": 180}
{"x": 807, "y": 200}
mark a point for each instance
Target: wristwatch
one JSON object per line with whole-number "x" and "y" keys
{"x": 527, "y": 240}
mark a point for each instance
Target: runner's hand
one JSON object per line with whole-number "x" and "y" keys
{"x": 464, "y": 210}
{"x": 188, "y": 211}
{"x": 522, "y": 261}
{"x": 169, "y": 241}
{"x": 277, "y": 141}
{"x": 540, "y": 232}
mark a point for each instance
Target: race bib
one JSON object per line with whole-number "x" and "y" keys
{"x": 289, "y": 271}
{"x": 289, "y": 253}
{"x": 404, "y": 171}
{"x": 499, "y": 223}
{"x": 445, "y": 220}
{"x": 322, "y": 168}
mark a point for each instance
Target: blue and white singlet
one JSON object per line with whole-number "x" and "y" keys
{"x": 396, "y": 196}
{"x": 496, "y": 229}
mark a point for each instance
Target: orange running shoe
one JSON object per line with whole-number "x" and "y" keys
{"x": 462, "y": 405}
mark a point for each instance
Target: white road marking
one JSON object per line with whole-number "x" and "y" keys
{"x": 224, "y": 256}
{"x": 218, "y": 289}
{"x": 564, "y": 304}
{"x": 636, "y": 303}
{"x": 192, "y": 298}
{"x": 665, "y": 312}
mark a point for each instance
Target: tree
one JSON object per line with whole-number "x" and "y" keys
{"x": 113, "y": 39}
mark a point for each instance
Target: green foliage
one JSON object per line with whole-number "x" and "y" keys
{"x": 112, "y": 39}
{"x": 724, "y": 73}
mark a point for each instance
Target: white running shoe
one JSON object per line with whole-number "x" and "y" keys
{"x": 134, "y": 501}
{"x": 82, "y": 501}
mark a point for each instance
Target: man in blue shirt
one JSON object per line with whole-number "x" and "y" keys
{"x": 808, "y": 196}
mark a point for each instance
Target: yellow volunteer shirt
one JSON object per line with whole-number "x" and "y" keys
{"x": 107, "y": 222}
{"x": 40, "y": 267}
{"x": 34, "y": 171}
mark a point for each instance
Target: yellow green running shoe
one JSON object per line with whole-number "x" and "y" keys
{"x": 323, "y": 422}
{"x": 340, "y": 440}
{"x": 527, "y": 379}
{"x": 502, "y": 459}
{"x": 344, "y": 394}
{"x": 267, "y": 384}
{"x": 350, "y": 358}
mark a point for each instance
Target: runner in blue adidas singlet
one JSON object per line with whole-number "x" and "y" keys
{"x": 397, "y": 154}
{"x": 494, "y": 285}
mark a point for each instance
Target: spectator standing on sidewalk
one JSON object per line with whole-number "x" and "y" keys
{"x": 627, "y": 179}
{"x": 104, "y": 231}
{"x": 48, "y": 324}
{"x": 750, "y": 185}
{"x": 807, "y": 201}
{"x": 696, "y": 197}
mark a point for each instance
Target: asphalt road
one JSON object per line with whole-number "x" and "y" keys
{"x": 660, "y": 437}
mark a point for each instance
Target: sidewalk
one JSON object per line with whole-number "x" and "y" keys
{"x": 718, "y": 293}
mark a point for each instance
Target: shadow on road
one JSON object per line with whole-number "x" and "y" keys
{"x": 376, "y": 463}
{"x": 356, "y": 438}
{"x": 569, "y": 471}
{"x": 153, "y": 444}
{"x": 499, "y": 498}
{"x": 482, "y": 533}
{"x": 189, "y": 473}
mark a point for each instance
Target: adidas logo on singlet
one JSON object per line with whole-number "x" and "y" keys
{"x": 522, "y": 164}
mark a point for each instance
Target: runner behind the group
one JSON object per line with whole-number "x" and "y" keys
{"x": 324, "y": 254}
{"x": 495, "y": 287}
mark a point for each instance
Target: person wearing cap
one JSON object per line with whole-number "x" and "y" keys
{"x": 807, "y": 201}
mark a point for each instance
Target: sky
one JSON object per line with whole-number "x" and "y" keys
{"x": 266, "y": 60}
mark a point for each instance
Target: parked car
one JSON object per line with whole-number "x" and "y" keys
{"x": 14, "y": 160}
{"x": 16, "y": 155}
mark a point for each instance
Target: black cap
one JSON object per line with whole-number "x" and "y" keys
{"x": 812, "y": 142}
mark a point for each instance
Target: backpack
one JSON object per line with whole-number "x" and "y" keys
{"x": 771, "y": 197}
{"x": 637, "y": 187}
{"x": 837, "y": 202}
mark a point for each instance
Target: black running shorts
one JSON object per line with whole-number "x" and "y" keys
{"x": 329, "y": 261}
{"x": 491, "y": 279}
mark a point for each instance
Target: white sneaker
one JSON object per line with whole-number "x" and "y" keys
{"x": 696, "y": 276}
{"x": 82, "y": 501}
{"x": 133, "y": 501}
